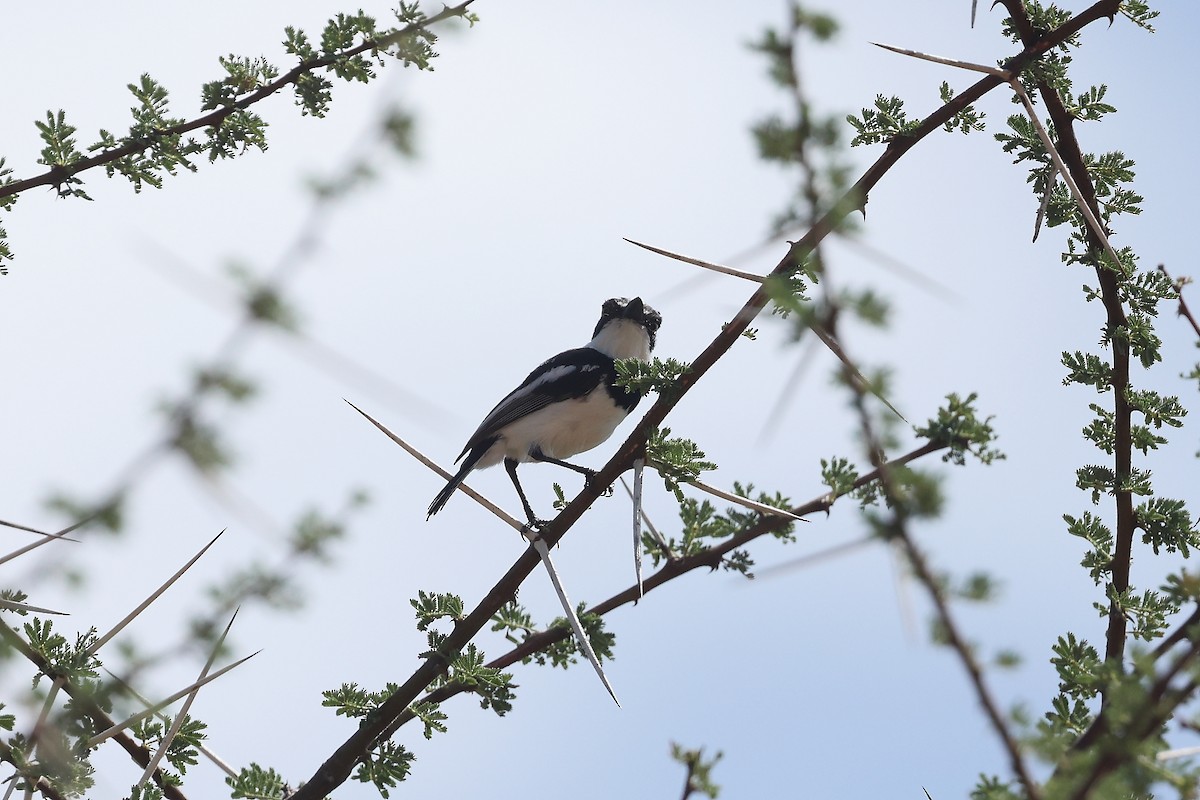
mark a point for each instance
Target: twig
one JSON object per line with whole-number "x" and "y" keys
{"x": 84, "y": 700}
{"x": 60, "y": 173}
{"x": 675, "y": 567}
{"x": 898, "y": 531}
{"x": 1184, "y": 311}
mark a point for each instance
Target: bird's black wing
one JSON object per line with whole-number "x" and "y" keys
{"x": 570, "y": 374}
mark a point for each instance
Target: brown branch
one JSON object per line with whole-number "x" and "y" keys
{"x": 337, "y": 768}
{"x": 675, "y": 567}
{"x": 1068, "y": 147}
{"x": 41, "y": 784}
{"x": 102, "y": 720}
{"x": 1188, "y": 630}
{"x": 1112, "y": 749}
{"x": 60, "y": 173}
{"x": 1184, "y": 311}
{"x": 966, "y": 655}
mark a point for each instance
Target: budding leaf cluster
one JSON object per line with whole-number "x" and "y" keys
{"x": 677, "y": 460}
{"x": 881, "y": 124}
{"x": 966, "y": 120}
{"x": 658, "y": 375}
{"x": 258, "y": 783}
{"x": 702, "y": 527}
{"x": 518, "y": 626}
{"x": 958, "y": 428}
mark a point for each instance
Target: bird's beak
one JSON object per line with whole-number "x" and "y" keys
{"x": 635, "y": 309}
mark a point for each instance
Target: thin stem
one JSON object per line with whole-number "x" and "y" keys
{"x": 60, "y": 173}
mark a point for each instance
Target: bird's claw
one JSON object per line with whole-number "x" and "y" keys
{"x": 589, "y": 478}
{"x": 533, "y": 527}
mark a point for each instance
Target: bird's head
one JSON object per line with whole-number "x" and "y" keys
{"x": 627, "y": 329}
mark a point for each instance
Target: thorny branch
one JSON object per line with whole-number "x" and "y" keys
{"x": 139, "y": 754}
{"x": 675, "y": 567}
{"x": 337, "y": 768}
{"x": 58, "y": 174}
{"x": 1069, "y": 150}
{"x": 1184, "y": 310}
{"x": 1112, "y": 752}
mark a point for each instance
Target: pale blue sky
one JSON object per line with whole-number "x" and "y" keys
{"x": 546, "y": 134}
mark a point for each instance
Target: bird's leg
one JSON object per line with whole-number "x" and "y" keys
{"x": 589, "y": 475}
{"x": 534, "y": 523}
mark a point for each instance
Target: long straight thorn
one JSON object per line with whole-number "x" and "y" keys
{"x": 165, "y": 744}
{"x": 585, "y": 646}
{"x": 153, "y": 596}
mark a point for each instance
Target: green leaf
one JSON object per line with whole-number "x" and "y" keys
{"x": 1138, "y": 12}
{"x": 1087, "y": 369}
{"x": 1089, "y": 106}
{"x": 1092, "y": 529}
{"x": 385, "y": 765}
{"x": 677, "y": 460}
{"x": 699, "y": 771}
{"x": 256, "y": 783}
{"x": 1167, "y": 524}
{"x": 958, "y": 427}
{"x": 965, "y": 121}
{"x": 432, "y": 606}
{"x": 881, "y": 124}
{"x": 657, "y": 375}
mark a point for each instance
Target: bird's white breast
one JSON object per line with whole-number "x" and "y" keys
{"x": 622, "y": 338}
{"x": 560, "y": 430}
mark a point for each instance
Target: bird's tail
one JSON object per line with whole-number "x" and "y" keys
{"x": 468, "y": 464}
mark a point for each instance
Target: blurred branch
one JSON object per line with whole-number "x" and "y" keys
{"x": 1184, "y": 311}
{"x": 87, "y": 705}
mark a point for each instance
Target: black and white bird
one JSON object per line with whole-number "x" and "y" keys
{"x": 569, "y": 404}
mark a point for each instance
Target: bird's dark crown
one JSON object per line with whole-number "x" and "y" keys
{"x": 634, "y": 310}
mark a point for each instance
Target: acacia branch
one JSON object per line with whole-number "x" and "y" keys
{"x": 338, "y": 767}
{"x": 99, "y": 717}
{"x": 60, "y": 173}
{"x": 1184, "y": 310}
{"x": 1072, "y": 155}
{"x": 1112, "y": 749}
{"x": 675, "y": 567}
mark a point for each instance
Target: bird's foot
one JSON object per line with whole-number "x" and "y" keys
{"x": 589, "y": 478}
{"x": 533, "y": 527}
